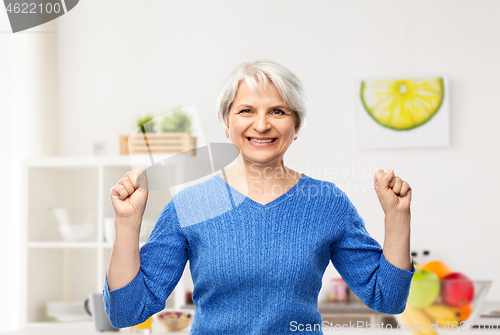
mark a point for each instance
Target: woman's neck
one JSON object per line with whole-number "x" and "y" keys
{"x": 259, "y": 180}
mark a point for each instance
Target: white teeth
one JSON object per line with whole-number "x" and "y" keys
{"x": 261, "y": 141}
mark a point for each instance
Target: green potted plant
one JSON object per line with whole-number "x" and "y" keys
{"x": 174, "y": 135}
{"x": 146, "y": 124}
{"x": 175, "y": 128}
{"x": 176, "y": 122}
{"x": 128, "y": 143}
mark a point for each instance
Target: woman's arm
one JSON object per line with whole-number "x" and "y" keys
{"x": 397, "y": 241}
{"x": 125, "y": 262}
{"x": 128, "y": 197}
{"x": 395, "y": 197}
{"x": 361, "y": 262}
{"x": 381, "y": 278}
{"x": 138, "y": 281}
{"x": 162, "y": 261}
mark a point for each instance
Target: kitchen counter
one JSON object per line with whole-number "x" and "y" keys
{"x": 87, "y": 328}
{"x": 351, "y": 307}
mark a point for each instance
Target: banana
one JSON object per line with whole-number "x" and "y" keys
{"x": 417, "y": 320}
{"x": 442, "y": 314}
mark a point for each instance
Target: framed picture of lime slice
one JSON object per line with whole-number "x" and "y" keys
{"x": 402, "y": 113}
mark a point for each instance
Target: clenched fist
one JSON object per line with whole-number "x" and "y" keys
{"x": 393, "y": 193}
{"x": 130, "y": 194}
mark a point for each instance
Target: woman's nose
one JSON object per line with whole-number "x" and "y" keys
{"x": 261, "y": 123}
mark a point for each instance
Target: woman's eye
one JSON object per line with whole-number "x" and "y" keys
{"x": 245, "y": 110}
{"x": 280, "y": 111}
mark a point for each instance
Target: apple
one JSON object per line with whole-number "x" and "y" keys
{"x": 457, "y": 290}
{"x": 425, "y": 288}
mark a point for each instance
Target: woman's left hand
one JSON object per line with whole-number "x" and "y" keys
{"x": 393, "y": 193}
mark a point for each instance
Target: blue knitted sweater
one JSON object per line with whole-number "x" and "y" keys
{"x": 257, "y": 269}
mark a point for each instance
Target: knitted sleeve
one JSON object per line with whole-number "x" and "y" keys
{"x": 163, "y": 260}
{"x": 360, "y": 261}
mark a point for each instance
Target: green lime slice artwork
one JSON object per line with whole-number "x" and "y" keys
{"x": 402, "y": 104}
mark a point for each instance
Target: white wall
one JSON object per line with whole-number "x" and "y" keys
{"x": 28, "y": 114}
{"x": 6, "y": 262}
{"x": 118, "y": 60}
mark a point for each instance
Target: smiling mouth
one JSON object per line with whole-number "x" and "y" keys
{"x": 253, "y": 140}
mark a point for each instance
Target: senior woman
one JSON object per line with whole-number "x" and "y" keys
{"x": 260, "y": 235}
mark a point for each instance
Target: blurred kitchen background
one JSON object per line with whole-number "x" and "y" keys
{"x": 69, "y": 88}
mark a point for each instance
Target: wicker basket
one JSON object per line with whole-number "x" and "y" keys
{"x": 158, "y": 143}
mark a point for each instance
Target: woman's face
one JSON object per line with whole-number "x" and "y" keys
{"x": 261, "y": 116}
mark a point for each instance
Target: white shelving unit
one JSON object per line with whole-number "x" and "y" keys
{"x": 57, "y": 270}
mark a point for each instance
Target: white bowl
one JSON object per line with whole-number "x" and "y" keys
{"x": 75, "y": 224}
{"x": 71, "y": 318}
{"x": 443, "y": 316}
{"x": 67, "y": 311}
{"x": 74, "y": 232}
{"x": 71, "y": 307}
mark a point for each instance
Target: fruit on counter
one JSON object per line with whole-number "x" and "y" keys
{"x": 465, "y": 312}
{"x": 449, "y": 309}
{"x": 437, "y": 267}
{"x": 443, "y": 314}
{"x": 417, "y": 319}
{"x": 424, "y": 290}
{"x": 174, "y": 321}
{"x": 457, "y": 290}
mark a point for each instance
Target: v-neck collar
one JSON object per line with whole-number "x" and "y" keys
{"x": 285, "y": 196}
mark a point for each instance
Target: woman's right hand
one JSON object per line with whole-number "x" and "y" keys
{"x": 130, "y": 194}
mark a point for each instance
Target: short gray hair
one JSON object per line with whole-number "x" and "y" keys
{"x": 263, "y": 70}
